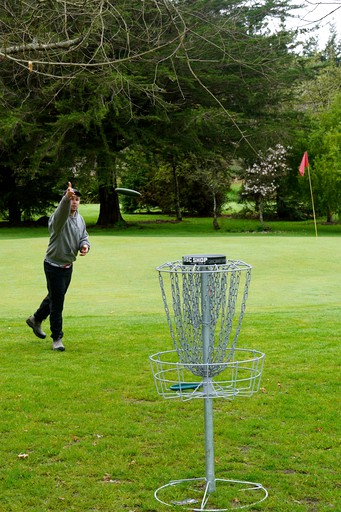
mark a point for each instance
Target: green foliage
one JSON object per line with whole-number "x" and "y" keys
{"x": 325, "y": 141}
{"x": 318, "y": 93}
{"x": 174, "y": 78}
{"x": 323, "y": 147}
{"x": 318, "y": 133}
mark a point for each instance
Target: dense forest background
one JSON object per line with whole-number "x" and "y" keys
{"x": 177, "y": 99}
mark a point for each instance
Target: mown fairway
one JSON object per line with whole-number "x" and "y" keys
{"x": 85, "y": 430}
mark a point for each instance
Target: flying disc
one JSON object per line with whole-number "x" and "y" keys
{"x": 185, "y": 385}
{"x": 128, "y": 192}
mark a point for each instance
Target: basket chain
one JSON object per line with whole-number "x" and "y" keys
{"x": 186, "y": 324}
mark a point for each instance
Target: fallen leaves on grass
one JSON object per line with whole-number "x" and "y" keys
{"x": 107, "y": 478}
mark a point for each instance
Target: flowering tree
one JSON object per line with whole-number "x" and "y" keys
{"x": 263, "y": 178}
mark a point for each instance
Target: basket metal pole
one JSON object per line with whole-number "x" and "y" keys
{"x": 207, "y": 383}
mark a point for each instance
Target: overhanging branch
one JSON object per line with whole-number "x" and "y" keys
{"x": 39, "y": 47}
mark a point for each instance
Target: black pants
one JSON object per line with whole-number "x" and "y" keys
{"x": 57, "y": 280}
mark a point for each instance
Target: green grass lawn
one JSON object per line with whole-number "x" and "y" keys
{"x": 84, "y": 430}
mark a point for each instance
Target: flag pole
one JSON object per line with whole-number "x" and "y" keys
{"x": 312, "y": 200}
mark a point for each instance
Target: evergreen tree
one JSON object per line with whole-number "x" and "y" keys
{"x": 80, "y": 83}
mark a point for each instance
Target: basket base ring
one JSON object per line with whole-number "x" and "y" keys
{"x": 195, "y": 494}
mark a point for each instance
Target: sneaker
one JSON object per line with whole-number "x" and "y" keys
{"x": 58, "y": 345}
{"x": 36, "y": 326}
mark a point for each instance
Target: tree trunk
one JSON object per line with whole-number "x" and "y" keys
{"x": 329, "y": 215}
{"x": 14, "y": 212}
{"x": 215, "y": 216}
{"x": 109, "y": 206}
{"x": 261, "y": 210}
{"x": 177, "y": 193}
{"x": 109, "y": 209}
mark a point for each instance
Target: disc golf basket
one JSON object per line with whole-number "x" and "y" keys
{"x": 204, "y": 298}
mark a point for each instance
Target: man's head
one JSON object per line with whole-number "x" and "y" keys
{"x": 75, "y": 200}
{"x": 73, "y": 195}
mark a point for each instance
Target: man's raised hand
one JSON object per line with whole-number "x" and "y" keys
{"x": 69, "y": 192}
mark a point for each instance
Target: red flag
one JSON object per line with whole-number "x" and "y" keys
{"x": 304, "y": 163}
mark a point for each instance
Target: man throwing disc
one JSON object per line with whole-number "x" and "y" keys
{"x": 68, "y": 236}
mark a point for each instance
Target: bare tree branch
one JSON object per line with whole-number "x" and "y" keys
{"x": 101, "y": 38}
{"x": 38, "y": 46}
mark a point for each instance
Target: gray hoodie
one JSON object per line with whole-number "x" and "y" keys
{"x": 67, "y": 235}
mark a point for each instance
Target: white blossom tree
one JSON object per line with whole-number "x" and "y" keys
{"x": 263, "y": 178}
